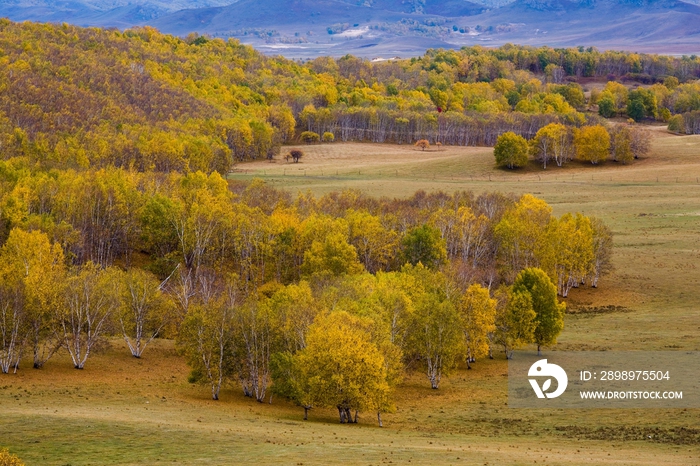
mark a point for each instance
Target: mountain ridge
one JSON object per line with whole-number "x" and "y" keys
{"x": 382, "y": 28}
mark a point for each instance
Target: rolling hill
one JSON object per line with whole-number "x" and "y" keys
{"x": 387, "y": 28}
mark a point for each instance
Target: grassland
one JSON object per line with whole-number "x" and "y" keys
{"x": 125, "y": 411}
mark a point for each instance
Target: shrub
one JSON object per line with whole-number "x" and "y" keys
{"x": 295, "y": 155}
{"x": 511, "y": 150}
{"x": 328, "y": 137}
{"x": 676, "y": 124}
{"x": 423, "y": 144}
{"x": 310, "y": 137}
{"x": 7, "y": 459}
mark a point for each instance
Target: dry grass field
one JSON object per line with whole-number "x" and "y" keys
{"x": 125, "y": 411}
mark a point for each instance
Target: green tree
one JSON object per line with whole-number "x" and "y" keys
{"x": 423, "y": 244}
{"x": 437, "y": 339}
{"x": 635, "y": 109}
{"x": 206, "y": 339}
{"x": 606, "y": 105}
{"x": 511, "y": 150}
{"x": 515, "y": 320}
{"x": 549, "y": 320}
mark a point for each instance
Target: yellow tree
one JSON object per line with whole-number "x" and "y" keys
{"x": 342, "y": 367}
{"x": 8, "y": 459}
{"x": 569, "y": 255}
{"x": 255, "y": 338}
{"x": 32, "y": 271}
{"x": 477, "y": 311}
{"x": 331, "y": 256}
{"x": 376, "y": 245}
{"x": 552, "y": 142}
{"x": 521, "y": 233}
{"x": 294, "y": 309}
{"x": 592, "y": 144}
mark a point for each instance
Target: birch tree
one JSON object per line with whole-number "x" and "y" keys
{"x": 90, "y": 300}
{"x": 32, "y": 270}
{"x": 206, "y": 339}
{"x": 255, "y": 338}
{"x": 477, "y": 312}
{"x": 13, "y": 327}
{"x": 515, "y": 320}
{"x": 145, "y": 310}
{"x": 549, "y": 320}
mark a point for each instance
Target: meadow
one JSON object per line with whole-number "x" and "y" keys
{"x": 124, "y": 411}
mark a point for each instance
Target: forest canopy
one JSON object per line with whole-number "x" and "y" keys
{"x": 86, "y": 97}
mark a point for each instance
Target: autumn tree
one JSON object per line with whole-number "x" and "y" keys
{"x": 477, "y": 311}
{"x": 332, "y": 256}
{"x": 206, "y": 338}
{"x": 340, "y": 367}
{"x": 515, "y": 320}
{"x": 436, "y": 339}
{"x": 309, "y": 137}
{"x": 549, "y": 320}
{"x": 621, "y": 144}
{"x": 145, "y": 310}
{"x": 8, "y": 459}
{"x": 552, "y": 142}
{"x": 422, "y": 144}
{"x": 328, "y": 137}
{"x": 254, "y": 339}
{"x": 569, "y": 255}
{"x": 511, "y": 150}
{"x": 521, "y": 233}
{"x": 376, "y": 245}
{"x": 640, "y": 142}
{"x": 293, "y": 309}
{"x": 91, "y": 298}
{"x": 592, "y": 144}
{"x": 32, "y": 271}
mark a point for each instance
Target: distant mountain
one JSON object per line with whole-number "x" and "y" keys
{"x": 385, "y": 28}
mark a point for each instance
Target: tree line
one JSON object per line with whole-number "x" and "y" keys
{"x": 267, "y": 290}
{"x": 88, "y": 97}
{"x": 559, "y": 144}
